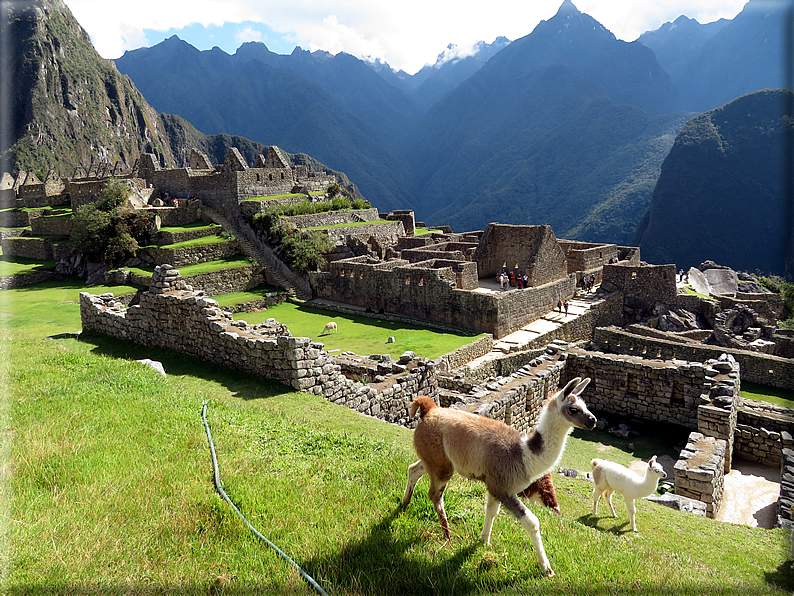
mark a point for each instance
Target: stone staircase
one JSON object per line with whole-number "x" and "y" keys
{"x": 277, "y": 272}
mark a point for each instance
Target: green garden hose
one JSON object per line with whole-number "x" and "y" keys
{"x": 219, "y": 488}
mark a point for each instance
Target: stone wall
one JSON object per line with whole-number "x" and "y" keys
{"x": 14, "y": 281}
{"x": 763, "y": 431}
{"x": 424, "y": 291}
{"x": 14, "y": 218}
{"x": 173, "y": 316}
{"x": 459, "y": 251}
{"x": 469, "y": 352}
{"x": 785, "y": 516}
{"x": 164, "y": 238}
{"x": 585, "y": 256}
{"x": 700, "y": 471}
{"x": 642, "y": 286}
{"x": 332, "y": 218}
{"x": 192, "y": 255}
{"x": 31, "y": 248}
{"x": 763, "y": 369}
{"x": 51, "y": 226}
{"x": 250, "y": 208}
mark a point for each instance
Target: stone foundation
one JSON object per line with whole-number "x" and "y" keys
{"x": 700, "y": 471}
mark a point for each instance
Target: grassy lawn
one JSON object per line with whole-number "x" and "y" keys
{"x": 204, "y": 240}
{"x": 196, "y": 225}
{"x": 206, "y": 267}
{"x": 780, "y": 397}
{"x": 288, "y": 195}
{"x": 10, "y": 265}
{"x": 107, "y": 489}
{"x": 253, "y": 295}
{"x": 362, "y": 335}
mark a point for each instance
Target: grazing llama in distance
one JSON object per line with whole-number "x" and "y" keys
{"x": 542, "y": 491}
{"x": 329, "y": 327}
{"x": 506, "y": 460}
{"x": 610, "y": 477}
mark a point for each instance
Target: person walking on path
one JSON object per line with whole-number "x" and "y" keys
{"x": 559, "y": 305}
{"x": 566, "y": 308}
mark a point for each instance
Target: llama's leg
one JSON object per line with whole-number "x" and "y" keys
{"x": 436, "y": 494}
{"x": 415, "y": 471}
{"x": 530, "y": 523}
{"x": 632, "y": 509}
{"x": 491, "y": 511}
{"x": 608, "y": 496}
{"x": 596, "y": 496}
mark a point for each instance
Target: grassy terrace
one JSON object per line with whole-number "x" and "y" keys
{"x": 780, "y": 397}
{"x": 196, "y": 225}
{"x": 10, "y": 265}
{"x": 349, "y": 225}
{"x": 258, "y": 293}
{"x": 289, "y": 195}
{"x": 191, "y": 243}
{"x": 107, "y": 490}
{"x": 207, "y": 267}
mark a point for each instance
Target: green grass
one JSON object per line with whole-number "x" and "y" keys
{"x": 199, "y": 268}
{"x": 10, "y": 265}
{"x": 203, "y": 241}
{"x": 422, "y": 231}
{"x": 108, "y": 490}
{"x": 362, "y": 335}
{"x": 196, "y": 225}
{"x": 773, "y": 395}
{"x": 253, "y": 295}
{"x": 348, "y": 225}
{"x": 691, "y": 292}
{"x": 288, "y": 195}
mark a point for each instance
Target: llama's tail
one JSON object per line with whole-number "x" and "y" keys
{"x": 423, "y": 404}
{"x": 594, "y": 462}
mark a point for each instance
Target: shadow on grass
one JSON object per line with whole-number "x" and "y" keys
{"x": 613, "y": 525}
{"x": 242, "y": 385}
{"x": 782, "y": 577}
{"x": 381, "y": 563}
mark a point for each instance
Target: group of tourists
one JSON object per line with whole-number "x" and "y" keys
{"x": 513, "y": 279}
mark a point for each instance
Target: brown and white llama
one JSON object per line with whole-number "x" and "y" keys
{"x": 610, "y": 477}
{"x": 506, "y": 460}
{"x": 542, "y": 491}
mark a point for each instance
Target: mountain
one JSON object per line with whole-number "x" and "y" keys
{"x": 677, "y": 43}
{"x": 245, "y": 94}
{"x": 741, "y": 56}
{"x": 68, "y": 106}
{"x": 453, "y": 66}
{"x": 509, "y": 144}
{"x": 722, "y": 193}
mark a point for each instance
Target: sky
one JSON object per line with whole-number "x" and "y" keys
{"x": 406, "y": 34}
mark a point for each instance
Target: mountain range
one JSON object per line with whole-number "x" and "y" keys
{"x": 567, "y": 126}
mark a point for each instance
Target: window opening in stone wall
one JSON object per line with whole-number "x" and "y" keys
{"x": 633, "y": 275}
{"x": 361, "y": 274}
{"x": 504, "y": 265}
{"x": 516, "y": 265}
{"x": 282, "y": 175}
{"x": 421, "y": 281}
{"x": 258, "y": 177}
{"x": 407, "y": 280}
{"x": 352, "y": 273}
{"x": 270, "y": 177}
{"x": 341, "y": 273}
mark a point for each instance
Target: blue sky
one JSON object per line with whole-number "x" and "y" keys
{"x": 406, "y": 33}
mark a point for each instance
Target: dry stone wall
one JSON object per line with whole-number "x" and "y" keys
{"x": 31, "y": 248}
{"x": 51, "y": 226}
{"x": 172, "y": 315}
{"x": 192, "y": 255}
{"x": 700, "y": 471}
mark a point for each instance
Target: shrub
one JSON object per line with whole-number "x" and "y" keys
{"x": 786, "y": 291}
{"x": 108, "y": 230}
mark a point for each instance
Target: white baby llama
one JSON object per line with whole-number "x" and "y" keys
{"x": 610, "y": 477}
{"x": 506, "y": 460}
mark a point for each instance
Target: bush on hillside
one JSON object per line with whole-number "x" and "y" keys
{"x": 108, "y": 230}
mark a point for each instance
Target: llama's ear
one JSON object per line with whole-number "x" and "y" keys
{"x": 567, "y": 390}
{"x": 651, "y": 461}
{"x": 580, "y": 386}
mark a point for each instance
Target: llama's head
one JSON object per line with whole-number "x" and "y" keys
{"x": 569, "y": 403}
{"x": 656, "y": 468}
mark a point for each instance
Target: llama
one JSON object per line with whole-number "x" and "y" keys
{"x": 506, "y": 460}
{"x": 329, "y": 328}
{"x": 542, "y": 491}
{"x": 610, "y": 477}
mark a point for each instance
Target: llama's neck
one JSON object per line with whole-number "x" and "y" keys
{"x": 546, "y": 451}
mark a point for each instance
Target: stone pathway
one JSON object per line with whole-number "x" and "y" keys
{"x": 750, "y": 495}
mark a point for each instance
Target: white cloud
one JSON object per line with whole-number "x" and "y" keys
{"x": 248, "y": 33}
{"x": 406, "y": 34}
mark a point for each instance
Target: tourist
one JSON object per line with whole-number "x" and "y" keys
{"x": 526, "y": 280}
{"x": 559, "y": 305}
{"x": 512, "y": 279}
{"x": 566, "y": 308}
